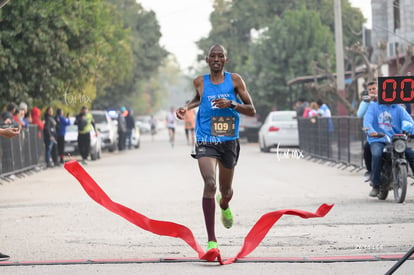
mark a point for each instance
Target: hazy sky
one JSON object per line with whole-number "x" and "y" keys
{"x": 185, "y": 21}
{"x": 182, "y": 23}
{"x": 365, "y": 6}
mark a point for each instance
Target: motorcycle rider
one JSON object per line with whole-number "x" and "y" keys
{"x": 388, "y": 119}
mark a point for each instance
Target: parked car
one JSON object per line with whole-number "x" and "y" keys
{"x": 107, "y": 129}
{"x": 280, "y": 128}
{"x": 144, "y": 124}
{"x": 71, "y": 141}
{"x": 136, "y": 138}
{"x": 249, "y": 127}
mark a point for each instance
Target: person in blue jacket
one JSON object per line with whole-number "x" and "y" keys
{"x": 388, "y": 119}
{"x": 62, "y": 123}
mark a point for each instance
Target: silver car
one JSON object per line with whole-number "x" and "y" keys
{"x": 144, "y": 124}
{"x": 107, "y": 129}
{"x": 135, "y": 138}
{"x": 280, "y": 129}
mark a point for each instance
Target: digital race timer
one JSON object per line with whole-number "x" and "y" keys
{"x": 396, "y": 89}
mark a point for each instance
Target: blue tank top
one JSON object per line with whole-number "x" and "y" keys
{"x": 213, "y": 124}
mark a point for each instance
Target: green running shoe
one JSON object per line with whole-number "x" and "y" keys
{"x": 211, "y": 245}
{"x": 212, "y": 252}
{"x": 226, "y": 215}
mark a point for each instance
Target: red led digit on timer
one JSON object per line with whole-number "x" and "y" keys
{"x": 384, "y": 88}
{"x": 389, "y": 95}
{"x": 411, "y": 96}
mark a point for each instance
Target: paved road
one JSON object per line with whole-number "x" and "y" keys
{"x": 46, "y": 216}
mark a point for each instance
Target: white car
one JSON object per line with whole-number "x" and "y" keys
{"x": 135, "y": 138}
{"x": 280, "y": 129}
{"x": 107, "y": 129}
{"x": 144, "y": 124}
{"x": 71, "y": 141}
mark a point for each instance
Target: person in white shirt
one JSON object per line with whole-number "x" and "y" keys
{"x": 171, "y": 124}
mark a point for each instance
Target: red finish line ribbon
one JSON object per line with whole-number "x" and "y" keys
{"x": 164, "y": 228}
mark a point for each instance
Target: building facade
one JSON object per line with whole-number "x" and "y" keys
{"x": 393, "y": 30}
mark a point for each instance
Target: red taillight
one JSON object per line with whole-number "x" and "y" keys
{"x": 273, "y": 129}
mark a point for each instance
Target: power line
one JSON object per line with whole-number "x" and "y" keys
{"x": 397, "y": 35}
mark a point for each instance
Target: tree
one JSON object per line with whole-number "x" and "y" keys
{"x": 146, "y": 57}
{"x": 235, "y": 23}
{"x": 278, "y": 56}
{"x": 54, "y": 48}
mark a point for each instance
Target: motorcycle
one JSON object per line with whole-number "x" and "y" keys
{"x": 394, "y": 168}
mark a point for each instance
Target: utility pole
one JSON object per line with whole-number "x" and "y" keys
{"x": 3, "y": 3}
{"x": 339, "y": 46}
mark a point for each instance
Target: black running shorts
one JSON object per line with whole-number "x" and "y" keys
{"x": 226, "y": 152}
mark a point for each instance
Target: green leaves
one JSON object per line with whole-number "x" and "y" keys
{"x": 286, "y": 50}
{"x": 54, "y": 48}
{"x": 271, "y": 42}
{"x": 144, "y": 57}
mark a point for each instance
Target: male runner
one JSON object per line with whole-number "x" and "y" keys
{"x": 220, "y": 96}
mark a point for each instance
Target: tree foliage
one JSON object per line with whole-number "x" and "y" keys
{"x": 278, "y": 56}
{"x": 55, "y": 48}
{"x": 147, "y": 56}
{"x": 77, "y": 52}
{"x": 286, "y": 46}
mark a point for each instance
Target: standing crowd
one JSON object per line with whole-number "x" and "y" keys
{"x": 311, "y": 110}
{"x": 52, "y": 128}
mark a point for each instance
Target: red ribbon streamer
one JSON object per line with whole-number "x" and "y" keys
{"x": 164, "y": 228}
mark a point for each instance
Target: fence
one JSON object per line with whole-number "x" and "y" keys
{"x": 21, "y": 153}
{"x": 337, "y": 139}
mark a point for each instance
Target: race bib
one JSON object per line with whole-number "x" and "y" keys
{"x": 223, "y": 125}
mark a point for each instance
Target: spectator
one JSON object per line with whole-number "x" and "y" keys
{"x": 49, "y": 137}
{"x": 85, "y": 122}
{"x": 324, "y": 111}
{"x": 300, "y": 106}
{"x": 311, "y": 112}
{"x": 325, "y": 122}
{"x": 19, "y": 118}
{"x": 313, "y": 109}
{"x": 35, "y": 113}
{"x": 7, "y": 116}
{"x": 62, "y": 123}
{"x": 130, "y": 125}
{"x": 23, "y": 106}
{"x": 122, "y": 128}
